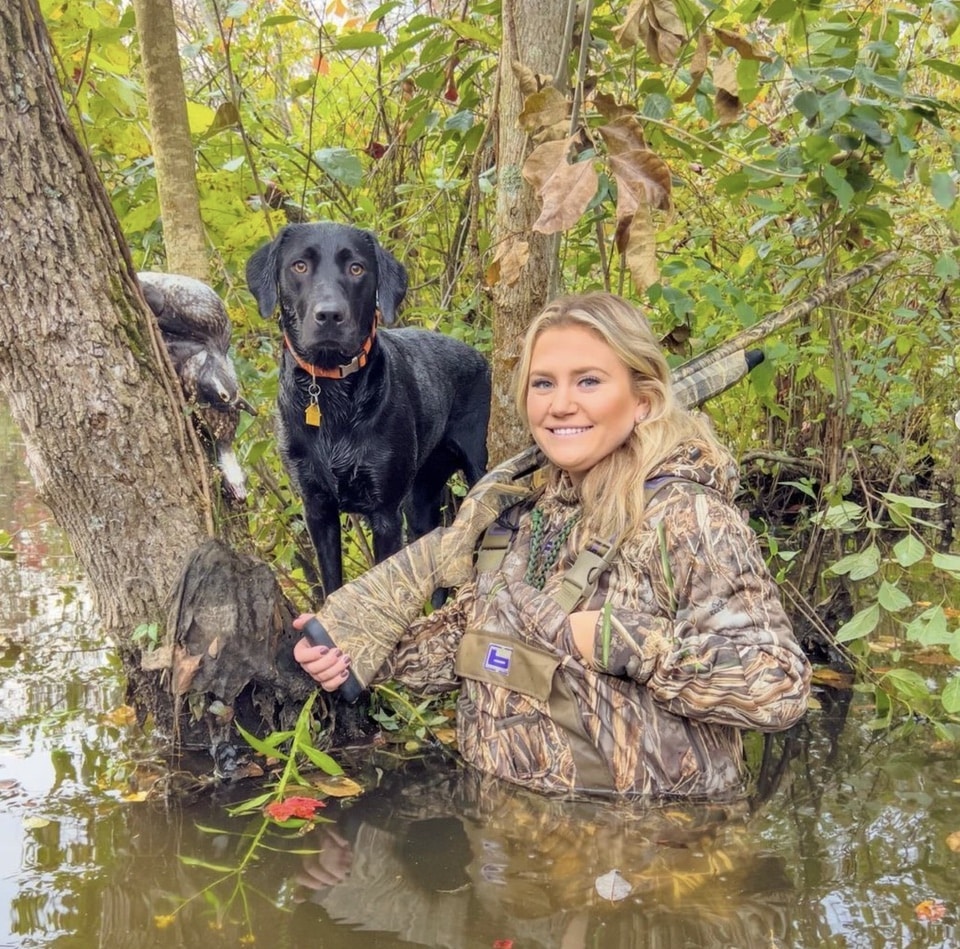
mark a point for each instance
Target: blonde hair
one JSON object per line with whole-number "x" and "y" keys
{"x": 612, "y": 492}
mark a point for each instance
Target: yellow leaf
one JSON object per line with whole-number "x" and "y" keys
{"x": 338, "y": 786}
{"x": 953, "y": 841}
{"x": 122, "y": 715}
{"x": 35, "y": 823}
{"x": 135, "y": 796}
{"x": 162, "y": 922}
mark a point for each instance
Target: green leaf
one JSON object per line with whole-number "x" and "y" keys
{"x": 955, "y": 646}
{"x": 951, "y": 696}
{"x": 364, "y": 40}
{"x": 864, "y": 563}
{"x": 909, "y": 551}
{"x": 861, "y": 624}
{"x": 269, "y": 747}
{"x": 929, "y": 628}
{"x": 908, "y": 684}
{"x": 948, "y": 562}
{"x": 943, "y": 67}
{"x": 323, "y": 761}
{"x": 194, "y": 862}
{"x": 340, "y": 164}
{"x": 892, "y": 598}
{"x": 910, "y": 500}
{"x": 944, "y": 190}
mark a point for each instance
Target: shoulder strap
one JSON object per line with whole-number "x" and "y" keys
{"x": 594, "y": 560}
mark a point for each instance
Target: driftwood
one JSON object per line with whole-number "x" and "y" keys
{"x": 228, "y": 655}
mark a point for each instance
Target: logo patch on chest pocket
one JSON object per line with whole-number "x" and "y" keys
{"x": 498, "y": 658}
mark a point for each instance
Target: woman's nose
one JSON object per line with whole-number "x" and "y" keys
{"x": 563, "y": 402}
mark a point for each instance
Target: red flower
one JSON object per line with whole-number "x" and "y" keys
{"x": 300, "y": 807}
{"x": 503, "y": 944}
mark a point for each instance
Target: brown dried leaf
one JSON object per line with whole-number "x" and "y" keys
{"x": 542, "y": 162}
{"x": 698, "y": 66}
{"x": 642, "y": 178}
{"x": 609, "y": 108}
{"x": 552, "y": 133}
{"x": 513, "y": 262}
{"x": 668, "y": 47}
{"x": 727, "y": 98}
{"x": 953, "y": 841}
{"x": 544, "y": 108}
{"x": 636, "y": 239}
{"x": 743, "y": 46}
{"x": 832, "y": 678}
{"x": 185, "y": 669}
{"x": 663, "y": 15}
{"x": 566, "y": 196}
{"x": 526, "y": 78}
{"x": 628, "y": 32}
{"x": 624, "y": 134}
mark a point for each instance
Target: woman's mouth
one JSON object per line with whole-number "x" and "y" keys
{"x": 563, "y": 432}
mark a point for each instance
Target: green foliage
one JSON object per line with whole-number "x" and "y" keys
{"x": 715, "y": 161}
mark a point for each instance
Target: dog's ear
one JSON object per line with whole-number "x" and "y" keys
{"x": 391, "y": 283}
{"x": 262, "y": 277}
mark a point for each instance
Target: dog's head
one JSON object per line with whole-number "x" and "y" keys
{"x": 329, "y": 281}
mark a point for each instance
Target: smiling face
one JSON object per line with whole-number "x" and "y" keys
{"x": 580, "y": 399}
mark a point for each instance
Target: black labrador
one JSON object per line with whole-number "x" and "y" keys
{"x": 371, "y": 421}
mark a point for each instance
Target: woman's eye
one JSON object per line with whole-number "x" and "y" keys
{"x": 589, "y": 381}
{"x": 539, "y": 383}
{"x": 299, "y": 266}
{"x": 357, "y": 269}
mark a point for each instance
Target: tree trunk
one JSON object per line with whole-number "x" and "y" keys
{"x": 533, "y": 35}
{"x": 183, "y": 234}
{"x": 81, "y": 362}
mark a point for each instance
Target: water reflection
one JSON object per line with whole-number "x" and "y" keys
{"x": 846, "y": 837}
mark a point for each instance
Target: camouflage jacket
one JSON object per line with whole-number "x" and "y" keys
{"x": 712, "y": 652}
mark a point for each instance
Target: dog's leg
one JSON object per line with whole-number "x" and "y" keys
{"x": 387, "y": 530}
{"x": 323, "y": 524}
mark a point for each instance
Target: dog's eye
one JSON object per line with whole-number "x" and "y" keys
{"x": 357, "y": 269}
{"x": 299, "y": 266}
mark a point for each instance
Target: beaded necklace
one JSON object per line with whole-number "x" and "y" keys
{"x": 545, "y": 552}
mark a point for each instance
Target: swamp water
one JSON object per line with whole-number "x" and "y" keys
{"x": 846, "y": 843}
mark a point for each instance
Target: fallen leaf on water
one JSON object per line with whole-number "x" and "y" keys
{"x": 35, "y": 823}
{"x": 931, "y": 910}
{"x": 953, "y": 841}
{"x": 135, "y": 796}
{"x": 122, "y": 715}
{"x": 832, "y": 678}
{"x": 338, "y": 786}
{"x": 612, "y": 886}
{"x": 447, "y": 735}
{"x": 161, "y": 922}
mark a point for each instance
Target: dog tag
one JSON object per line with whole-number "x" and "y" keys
{"x": 313, "y": 415}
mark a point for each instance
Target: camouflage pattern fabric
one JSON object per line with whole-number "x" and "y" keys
{"x": 715, "y": 650}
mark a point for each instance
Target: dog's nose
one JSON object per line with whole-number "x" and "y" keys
{"x": 326, "y": 315}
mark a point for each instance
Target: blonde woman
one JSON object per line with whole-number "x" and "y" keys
{"x": 622, "y": 629}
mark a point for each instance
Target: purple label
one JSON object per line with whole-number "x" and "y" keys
{"x": 498, "y": 658}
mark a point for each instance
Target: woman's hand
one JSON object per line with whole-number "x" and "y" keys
{"x": 327, "y": 667}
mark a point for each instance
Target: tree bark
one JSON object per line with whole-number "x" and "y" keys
{"x": 81, "y": 362}
{"x": 184, "y": 238}
{"x": 533, "y": 34}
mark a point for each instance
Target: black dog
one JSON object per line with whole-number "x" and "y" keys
{"x": 372, "y": 422}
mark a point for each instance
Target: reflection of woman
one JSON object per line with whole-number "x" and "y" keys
{"x": 446, "y": 858}
{"x": 639, "y": 682}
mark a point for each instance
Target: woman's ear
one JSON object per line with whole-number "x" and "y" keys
{"x": 642, "y": 412}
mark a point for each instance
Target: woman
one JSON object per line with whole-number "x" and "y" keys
{"x": 631, "y": 629}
